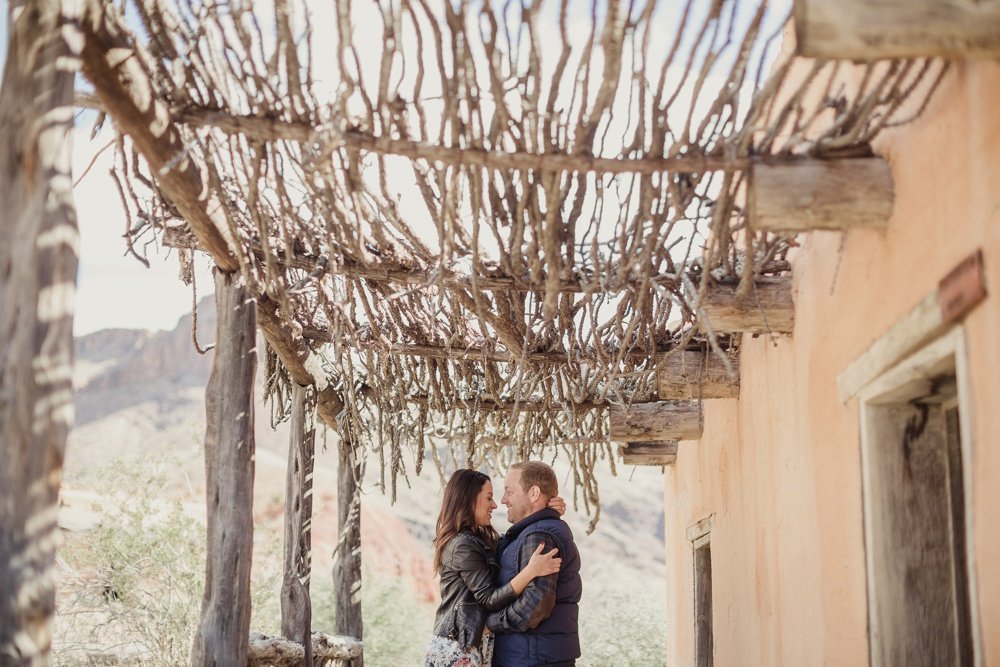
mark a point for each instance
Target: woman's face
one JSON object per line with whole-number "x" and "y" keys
{"x": 484, "y": 505}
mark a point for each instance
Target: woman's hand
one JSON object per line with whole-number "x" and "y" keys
{"x": 541, "y": 564}
{"x": 558, "y": 504}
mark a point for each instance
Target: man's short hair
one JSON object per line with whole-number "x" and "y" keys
{"x": 536, "y": 473}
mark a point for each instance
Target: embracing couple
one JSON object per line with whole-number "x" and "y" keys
{"x": 522, "y": 589}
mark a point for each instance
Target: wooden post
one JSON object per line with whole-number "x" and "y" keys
{"x": 855, "y": 193}
{"x": 224, "y": 631}
{"x": 649, "y": 453}
{"x": 692, "y": 374}
{"x": 656, "y": 422}
{"x": 38, "y": 264}
{"x": 296, "y": 606}
{"x": 766, "y": 308}
{"x": 347, "y": 557}
{"x": 877, "y": 29}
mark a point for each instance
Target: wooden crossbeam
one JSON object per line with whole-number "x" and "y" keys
{"x": 180, "y": 237}
{"x": 877, "y": 29}
{"x": 694, "y": 374}
{"x": 847, "y": 193}
{"x": 656, "y": 421}
{"x": 650, "y": 453}
{"x": 766, "y": 308}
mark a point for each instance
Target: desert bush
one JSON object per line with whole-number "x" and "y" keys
{"x": 626, "y": 627}
{"x": 131, "y": 589}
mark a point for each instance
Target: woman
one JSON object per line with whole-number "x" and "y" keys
{"x": 465, "y": 556}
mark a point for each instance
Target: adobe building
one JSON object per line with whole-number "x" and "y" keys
{"x": 842, "y": 509}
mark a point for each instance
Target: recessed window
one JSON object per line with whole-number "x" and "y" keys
{"x": 700, "y": 537}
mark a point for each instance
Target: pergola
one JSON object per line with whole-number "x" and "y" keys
{"x": 538, "y": 225}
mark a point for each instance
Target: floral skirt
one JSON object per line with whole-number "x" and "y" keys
{"x": 444, "y": 652}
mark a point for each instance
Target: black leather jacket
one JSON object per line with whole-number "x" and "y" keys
{"x": 469, "y": 591}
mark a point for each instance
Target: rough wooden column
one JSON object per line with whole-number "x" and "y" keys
{"x": 296, "y": 607}
{"x": 38, "y": 263}
{"x": 347, "y": 558}
{"x": 224, "y": 631}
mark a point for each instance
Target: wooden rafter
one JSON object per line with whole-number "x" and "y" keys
{"x": 650, "y": 453}
{"x": 765, "y": 308}
{"x": 694, "y": 374}
{"x": 656, "y": 421}
{"x": 850, "y": 193}
{"x": 881, "y": 29}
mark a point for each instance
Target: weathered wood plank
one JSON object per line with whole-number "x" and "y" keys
{"x": 656, "y": 422}
{"x": 878, "y": 29}
{"x": 850, "y": 193}
{"x": 690, "y": 375}
{"x": 347, "y": 555}
{"x": 767, "y": 308}
{"x": 38, "y": 264}
{"x": 296, "y": 605}
{"x": 278, "y": 652}
{"x": 223, "y": 633}
{"x": 650, "y": 453}
{"x": 957, "y": 293}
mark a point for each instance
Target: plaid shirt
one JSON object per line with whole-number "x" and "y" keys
{"x": 538, "y": 598}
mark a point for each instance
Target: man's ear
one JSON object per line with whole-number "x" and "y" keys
{"x": 534, "y": 493}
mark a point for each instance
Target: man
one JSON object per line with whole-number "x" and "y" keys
{"x": 541, "y": 626}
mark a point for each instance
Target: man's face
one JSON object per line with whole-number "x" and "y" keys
{"x": 517, "y": 500}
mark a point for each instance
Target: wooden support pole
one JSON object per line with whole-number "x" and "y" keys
{"x": 656, "y": 422}
{"x": 850, "y": 193}
{"x": 879, "y": 29}
{"x": 347, "y": 556}
{"x": 38, "y": 264}
{"x": 224, "y": 631}
{"x": 650, "y": 453}
{"x": 766, "y": 308}
{"x": 296, "y": 605}
{"x": 693, "y": 375}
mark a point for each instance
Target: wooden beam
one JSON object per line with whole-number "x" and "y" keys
{"x": 224, "y": 630}
{"x": 39, "y": 246}
{"x": 849, "y": 193}
{"x": 766, "y": 308}
{"x": 957, "y": 293}
{"x": 696, "y": 374}
{"x": 656, "y": 421}
{"x": 272, "y": 129}
{"x": 880, "y": 29}
{"x": 180, "y": 237}
{"x": 650, "y": 453}
{"x": 507, "y": 405}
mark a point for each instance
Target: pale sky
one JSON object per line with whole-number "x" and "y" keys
{"x": 115, "y": 290}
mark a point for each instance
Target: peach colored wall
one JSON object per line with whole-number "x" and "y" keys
{"x": 780, "y": 468}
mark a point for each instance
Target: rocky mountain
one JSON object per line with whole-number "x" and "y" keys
{"x": 139, "y": 400}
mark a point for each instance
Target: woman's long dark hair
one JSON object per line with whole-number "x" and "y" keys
{"x": 458, "y": 512}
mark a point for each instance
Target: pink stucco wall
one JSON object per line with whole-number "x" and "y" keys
{"x": 780, "y": 468}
